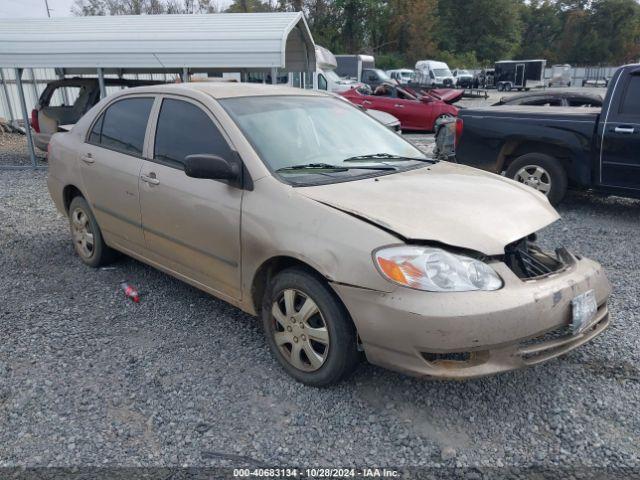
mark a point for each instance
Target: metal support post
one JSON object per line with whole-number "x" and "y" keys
{"x": 25, "y": 117}
{"x": 103, "y": 90}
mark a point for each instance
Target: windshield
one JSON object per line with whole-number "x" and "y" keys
{"x": 290, "y": 132}
{"x": 441, "y": 72}
{"x": 331, "y": 75}
{"x": 464, "y": 72}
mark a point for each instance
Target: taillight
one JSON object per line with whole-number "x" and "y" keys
{"x": 34, "y": 120}
{"x": 459, "y": 128}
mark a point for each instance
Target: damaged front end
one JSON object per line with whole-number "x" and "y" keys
{"x": 459, "y": 335}
{"x": 529, "y": 261}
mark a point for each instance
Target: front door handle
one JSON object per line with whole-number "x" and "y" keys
{"x": 151, "y": 178}
{"x": 88, "y": 158}
{"x": 626, "y": 130}
{"x": 366, "y": 102}
{"x": 399, "y": 105}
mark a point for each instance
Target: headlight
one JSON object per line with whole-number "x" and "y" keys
{"x": 435, "y": 270}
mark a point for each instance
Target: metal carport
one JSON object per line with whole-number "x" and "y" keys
{"x": 225, "y": 42}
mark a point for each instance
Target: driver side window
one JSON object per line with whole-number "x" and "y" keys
{"x": 185, "y": 129}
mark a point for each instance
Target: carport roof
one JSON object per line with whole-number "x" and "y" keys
{"x": 138, "y": 43}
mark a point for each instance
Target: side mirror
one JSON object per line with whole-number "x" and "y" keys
{"x": 212, "y": 167}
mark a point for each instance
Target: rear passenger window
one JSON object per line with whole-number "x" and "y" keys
{"x": 58, "y": 97}
{"x": 94, "y": 136}
{"x": 185, "y": 129}
{"x": 631, "y": 103}
{"x": 123, "y": 125}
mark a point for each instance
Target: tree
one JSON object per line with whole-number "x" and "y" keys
{"x": 247, "y": 6}
{"x": 490, "y": 28}
{"x": 616, "y": 23}
{"x": 464, "y": 33}
{"x": 142, "y": 7}
{"x": 412, "y": 28}
{"x": 541, "y": 30}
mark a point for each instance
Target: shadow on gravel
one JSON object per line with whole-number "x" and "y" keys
{"x": 598, "y": 204}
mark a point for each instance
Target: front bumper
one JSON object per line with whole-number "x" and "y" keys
{"x": 472, "y": 334}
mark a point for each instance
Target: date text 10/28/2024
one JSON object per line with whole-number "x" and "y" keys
{"x": 316, "y": 472}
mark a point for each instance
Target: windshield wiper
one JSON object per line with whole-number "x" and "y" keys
{"x": 386, "y": 156}
{"x": 329, "y": 166}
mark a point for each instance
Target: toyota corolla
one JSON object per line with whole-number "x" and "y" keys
{"x": 340, "y": 235}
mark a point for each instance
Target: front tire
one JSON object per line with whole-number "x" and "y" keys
{"x": 87, "y": 237}
{"x": 308, "y": 330}
{"x": 541, "y": 172}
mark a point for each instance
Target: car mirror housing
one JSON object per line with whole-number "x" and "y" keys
{"x": 211, "y": 167}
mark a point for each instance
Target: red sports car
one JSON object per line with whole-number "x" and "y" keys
{"x": 414, "y": 113}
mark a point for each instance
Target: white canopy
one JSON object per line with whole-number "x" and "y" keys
{"x": 139, "y": 43}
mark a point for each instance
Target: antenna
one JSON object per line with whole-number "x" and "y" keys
{"x": 46, "y": 4}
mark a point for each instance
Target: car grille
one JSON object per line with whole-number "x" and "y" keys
{"x": 529, "y": 261}
{"x": 559, "y": 333}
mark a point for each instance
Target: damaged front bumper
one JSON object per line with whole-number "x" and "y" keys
{"x": 472, "y": 334}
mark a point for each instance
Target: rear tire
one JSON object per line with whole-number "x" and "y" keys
{"x": 87, "y": 237}
{"x": 318, "y": 349}
{"x": 541, "y": 172}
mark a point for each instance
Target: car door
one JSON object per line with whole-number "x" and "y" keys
{"x": 191, "y": 226}
{"x": 412, "y": 113}
{"x": 620, "y": 161}
{"x": 110, "y": 165}
{"x": 384, "y": 104}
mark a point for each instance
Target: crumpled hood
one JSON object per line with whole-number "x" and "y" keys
{"x": 448, "y": 203}
{"x": 447, "y": 95}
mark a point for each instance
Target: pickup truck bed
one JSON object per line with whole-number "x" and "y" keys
{"x": 493, "y": 136}
{"x": 552, "y": 148}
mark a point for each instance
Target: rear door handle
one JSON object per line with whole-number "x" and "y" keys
{"x": 366, "y": 102}
{"x": 399, "y": 105}
{"x": 151, "y": 178}
{"x": 626, "y": 130}
{"x": 88, "y": 158}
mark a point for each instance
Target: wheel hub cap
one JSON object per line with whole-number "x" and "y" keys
{"x": 300, "y": 331}
{"x": 82, "y": 233}
{"x": 535, "y": 177}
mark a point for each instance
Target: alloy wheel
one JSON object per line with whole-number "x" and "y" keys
{"x": 82, "y": 233}
{"x": 300, "y": 331}
{"x": 536, "y": 177}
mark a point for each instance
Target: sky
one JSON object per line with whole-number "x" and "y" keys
{"x": 34, "y": 8}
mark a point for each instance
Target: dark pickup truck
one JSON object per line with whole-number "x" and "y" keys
{"x": 553, "y": 148}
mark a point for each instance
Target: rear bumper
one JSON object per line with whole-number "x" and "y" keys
{"x": 472, "y": 334}
{"x": 41, "y": 140}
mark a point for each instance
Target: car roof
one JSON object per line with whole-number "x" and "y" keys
{"x": 220, "y": 90}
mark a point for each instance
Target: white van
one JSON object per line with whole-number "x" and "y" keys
{"x": 401, "y": 75}
{"x": 434, "y": 74}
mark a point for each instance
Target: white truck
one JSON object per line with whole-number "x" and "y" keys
{"x": 325, "y": 75}
{"x": 433, "y": 74}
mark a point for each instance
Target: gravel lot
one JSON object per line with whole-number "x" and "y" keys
{"x": 89, "y": 378}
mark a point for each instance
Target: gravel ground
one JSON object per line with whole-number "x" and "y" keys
{"x": 89, "y": 378}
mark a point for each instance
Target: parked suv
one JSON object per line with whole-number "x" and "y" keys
{"x": 63, "y": 102}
